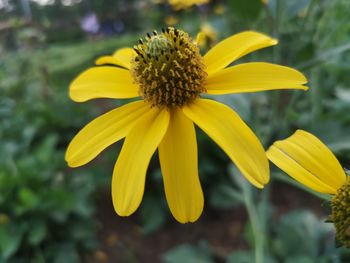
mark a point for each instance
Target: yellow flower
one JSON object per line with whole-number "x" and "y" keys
{"x": 207, "y": 36}
{"x": 219, "y": 9}
{"x": 169, "y": 74}
{"x": 171, "y": 20}
{"x": 184, "y": 4}
{"x": 305, "y": 158}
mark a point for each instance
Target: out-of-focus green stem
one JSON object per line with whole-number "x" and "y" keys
{"x": 258, "y": 235}
{"x": 315, "y": 98}
{"x": 276, "y": 58}
{"x": 257, "y": 219}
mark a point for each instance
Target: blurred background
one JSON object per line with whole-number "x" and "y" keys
{"x": 50, "y": 213}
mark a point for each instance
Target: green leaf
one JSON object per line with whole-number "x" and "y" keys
{"x": 66, "y": 253}
{"x": 247, "y": 257}
{"x": 186, "y": 254}
{"x": 44, "y": 152}
{"x": 28, "y": 198}
{"x": 152, "y": 214}
{"x": 37, "y": 233}
{"x": 291, "y": 232}
{"x": 224, "y": 196}
{"x": 10, "y": 240}
{"x": 240, "y": 257}
{"x": 301, "y": 259}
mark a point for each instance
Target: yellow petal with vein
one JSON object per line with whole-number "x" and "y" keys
{"x": 237, "y": 140}
{"x": 129, "y": 173}
{"x": 234, "y": 47}
{"x": 122, "y": 57}
{"x": 253, "y": 77}
{"x": 179, "y": 163}
{"x": 103, "y": 82}
{"x": 103, "y": 131}
{"x": 109, "y": 60}
{"x": 305, "y": 158}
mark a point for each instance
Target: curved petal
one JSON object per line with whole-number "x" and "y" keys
{"x": 103, "y": 82}
{"x": 108, "y": 60}
{"x": 122, "y": 57}
{"x": 200, "y": 39}
{"x": 103, "y": 131}
{"x": 129, "y": 173}
{"x": 253, "y": 77}
{"x": 305, "y": 158}
{"x": 237, "y": 140}
{"x": 179, "y": 163}
{"x": 234, "y": 47}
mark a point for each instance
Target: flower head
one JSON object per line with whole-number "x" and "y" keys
{"x": 167, "y": 71}
{"x": 305, "y": 158}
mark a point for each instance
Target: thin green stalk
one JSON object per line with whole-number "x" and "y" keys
{"x": 256, "y": 227}
{"x": 275, "y": 97}
{"x": 256, "y": 218}
{"x": 315, "y": 98}
{"x": 308, "y": 17}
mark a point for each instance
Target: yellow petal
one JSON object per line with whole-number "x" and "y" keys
{"x": 129, "y": 174}
{"x": 253, "y": 77}
{"x": 234, "y": 47}
{"x": 102, "y": 132}
{"x": 103, "y": 82}
{"x": 122, "y": 57}
{"x": 237, "y": 140}
{"x": 179, "y": 163}
{"x": 305, "y": 158}
{"x": 108, "y": 60}
{"x": 200, "y": 39}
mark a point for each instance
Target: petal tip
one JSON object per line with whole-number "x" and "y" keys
{"x": 71, "y": 162}
{"x": 187, "y": 220}
{"x": 123, "y": 211}
{"x": 274, "y": 41}
{"x": 72, "y": 94}
{"x": 99, "y": 61}
{"x": 71, "y": 165}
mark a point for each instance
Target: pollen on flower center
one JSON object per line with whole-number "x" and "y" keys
{"x": 168, "y": 68}
{"x": 341, "y": 213}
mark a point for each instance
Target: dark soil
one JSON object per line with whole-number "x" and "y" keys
{"x": 124, "y": 241}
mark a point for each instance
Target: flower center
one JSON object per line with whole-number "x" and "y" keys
{"x": 341, "y": 213}
{"x": 168, "y": 68}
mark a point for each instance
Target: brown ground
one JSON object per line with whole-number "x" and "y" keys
{"x": 123, "y": 240}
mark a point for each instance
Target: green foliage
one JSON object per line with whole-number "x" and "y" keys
{"x": 246, "y": 257}
{"x": 46, "y": 210}
{"x": 43, "y": 208}
{"x": 302, "y": 235}
{"x": 152, "y": 213}
{"x": 188, "y": 253}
